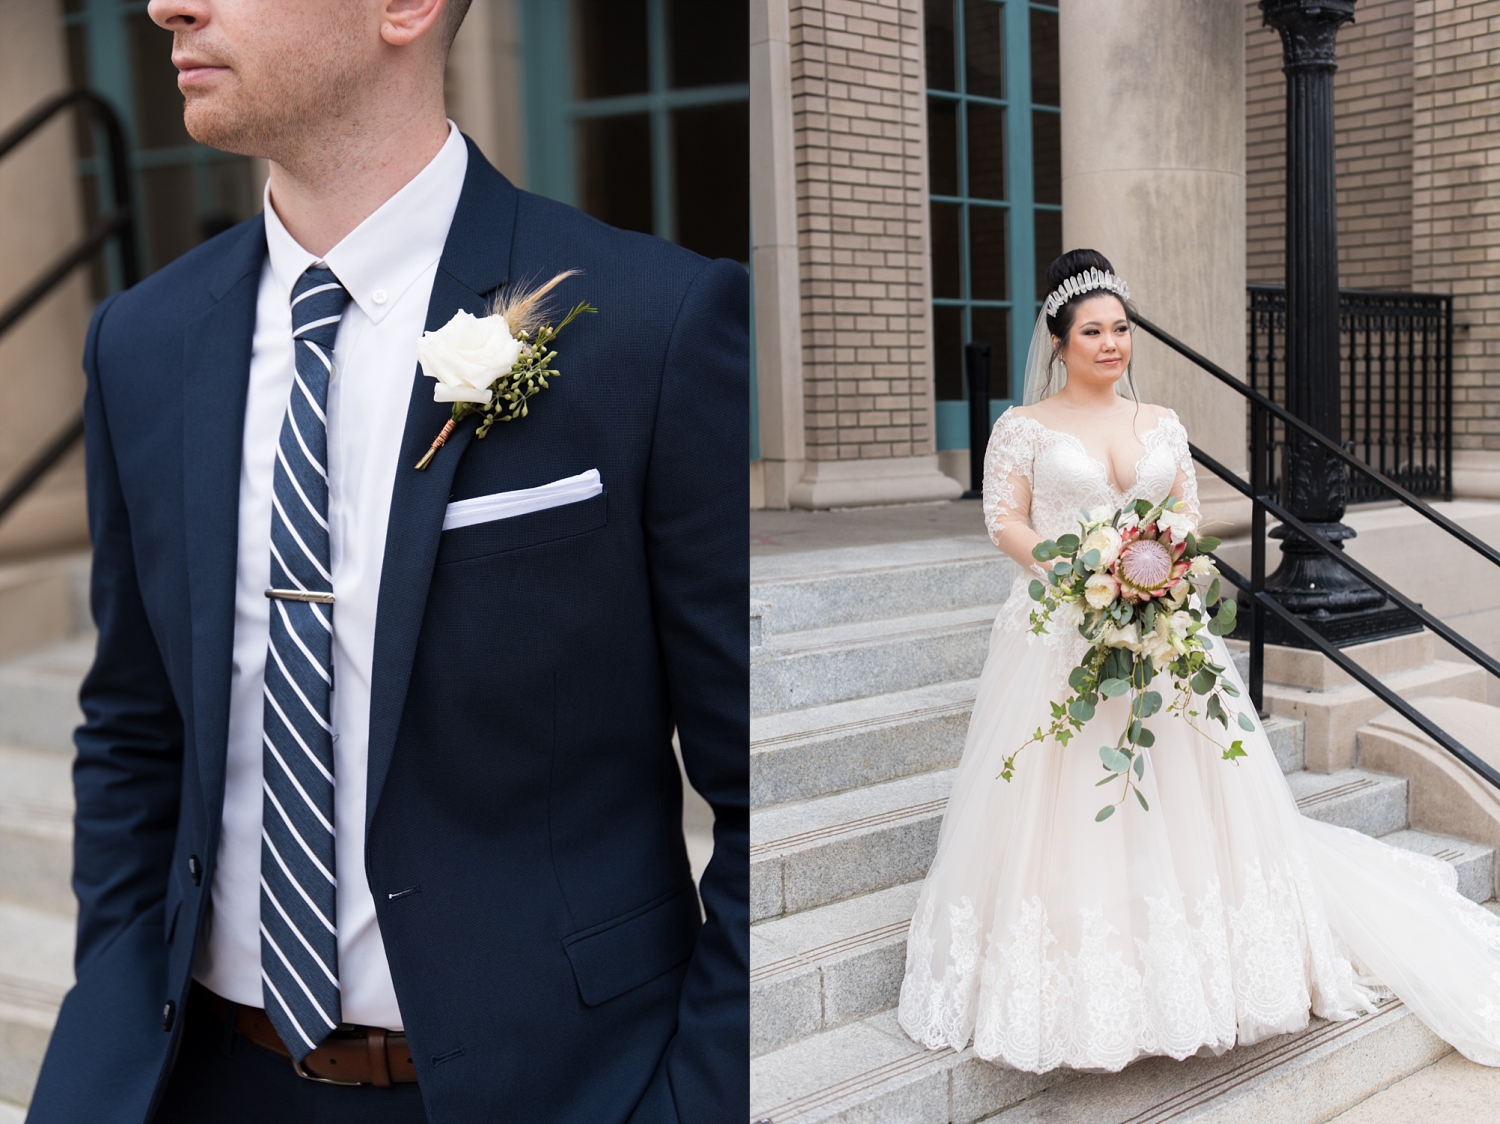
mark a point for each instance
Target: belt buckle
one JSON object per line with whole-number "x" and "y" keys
{"x": 302, "y": 1071}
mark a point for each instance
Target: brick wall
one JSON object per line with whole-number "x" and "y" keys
{"x": 1373, "y": 110}
{"x": 1456, "y": 196}
{"x": 859, "y": 123}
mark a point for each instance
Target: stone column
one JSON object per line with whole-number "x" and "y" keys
{"x": 41, "y": 374}
{"x": 773, "y": 234}
{"x": 859, "y": 129}
{"x": 1153, "y": 166}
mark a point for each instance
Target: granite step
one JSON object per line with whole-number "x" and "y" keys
{"x": 36, "y": 828}
{"x": 1372, "y": 803}
{"x": 828, "y": 966}
{"x": 813, "y": 852}
{"x": 869, "y": 1072}
{"x": 39, "y": 695}
{"x": 825, "y": 665}
{"x": 1474, "y": 863}
{"x": 820, "y": 851}
{"x": 36, "y": 970}
{"x": 817, "y": 751}
{"x": 820, "y": 589}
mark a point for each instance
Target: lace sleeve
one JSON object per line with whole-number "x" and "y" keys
{"x": 1008, "y": 475}
{"x": 1185, "y": 487}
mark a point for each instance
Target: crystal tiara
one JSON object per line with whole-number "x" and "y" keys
{"x": 1085, "y": 282}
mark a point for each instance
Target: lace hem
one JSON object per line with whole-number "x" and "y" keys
{"x": 1231, "y": 974}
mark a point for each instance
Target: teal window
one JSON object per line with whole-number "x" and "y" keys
{"x": 995, "y": 172}
{"x": 184, "y": 191}
{"x": 638, "y": 112}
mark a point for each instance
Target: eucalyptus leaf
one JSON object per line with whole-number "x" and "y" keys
{"x": 1245, "y": 722}
{"x": 1081, "y": 710}
{"x": 1067, "y": 544}
{"x": 1140, "y": 766}
{"x": 1104, "y": 813}
{"x": 1113, "y": 688}
{"x": 1208, "y": 543}
{"x": 1150, "y": 703}
{"x": 1079, "y": 678}
{"x": 1142, "y": 799}
{"x": 1146, "y": 739}
{"x": 1036, "y": 589}
{"x": 1114, "y": 760}
{"x": 1203, "y": 681}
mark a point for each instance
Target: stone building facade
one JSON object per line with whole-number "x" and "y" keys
{"x": 1418, "y": 165}
{"x": 1418, "y": 182}
{"x": 851, "y": 108}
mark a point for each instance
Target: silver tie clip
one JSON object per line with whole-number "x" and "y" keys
{"x": 300, "y": 595}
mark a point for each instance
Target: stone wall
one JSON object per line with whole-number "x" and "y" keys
{"x": 1373, "y": 123}
{"x": 1456, "y": 201}
{"x": 859, "y": 178}
{"x": 858, "y": 110}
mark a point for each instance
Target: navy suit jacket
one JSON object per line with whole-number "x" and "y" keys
{"x": 523, "y": 837}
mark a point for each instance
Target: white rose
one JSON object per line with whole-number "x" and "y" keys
{"x": 1128, "y": 520}
{"x": 1179, "y": 523}
{"x": 1122, "y": 636}
{"x": 1100, "y": 514}
{"x": 1181, "y": 623}
{"x": 1159, "y": 648}
{"x": 466, "y": 355}
{"x": 1067, "y": 617}
{"x": 1178, "y": 594}
{"x": 1106, "y": 540}
{"x": 1100, "y": 591}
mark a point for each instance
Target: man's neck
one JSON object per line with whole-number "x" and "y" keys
{"x": 329, "y": 189}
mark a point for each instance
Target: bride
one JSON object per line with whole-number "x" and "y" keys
{"x": 1221, "y": 916}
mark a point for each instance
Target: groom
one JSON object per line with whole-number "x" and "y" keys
{"x": 378, "y": 816}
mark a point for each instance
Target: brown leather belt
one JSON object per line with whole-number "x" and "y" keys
{"x": 350, "y": 1055}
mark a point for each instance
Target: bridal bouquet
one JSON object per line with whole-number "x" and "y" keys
{"x": 1125, "y": 583}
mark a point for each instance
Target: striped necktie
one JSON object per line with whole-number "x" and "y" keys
{"x": 298, "y": 928}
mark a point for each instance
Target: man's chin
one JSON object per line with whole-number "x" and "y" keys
{"x": 219, "y": 126}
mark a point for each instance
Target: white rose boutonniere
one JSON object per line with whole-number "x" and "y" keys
{"x": 493, "y": 364}
{"x": 466, "y": 355}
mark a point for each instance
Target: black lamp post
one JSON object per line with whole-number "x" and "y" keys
{"x": 1331, "y": 599}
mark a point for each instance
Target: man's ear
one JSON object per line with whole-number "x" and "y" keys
{"x": 403, "y": 22}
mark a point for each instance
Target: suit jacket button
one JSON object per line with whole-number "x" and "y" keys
{"x": 195, "y": 869}
{"x": 168, "y": 1015}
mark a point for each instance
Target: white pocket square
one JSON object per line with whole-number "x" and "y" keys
{"x": 507, "y": 505}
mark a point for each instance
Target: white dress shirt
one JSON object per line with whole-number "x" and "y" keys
{"x": 387, "y": 264}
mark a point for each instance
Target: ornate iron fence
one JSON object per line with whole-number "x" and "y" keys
{"x": 1396, "y": 355}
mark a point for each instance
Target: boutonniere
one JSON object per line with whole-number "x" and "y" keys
{"x": 492, "y": 364}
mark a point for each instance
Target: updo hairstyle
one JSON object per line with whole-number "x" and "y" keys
{"x": 1060, "y": 324}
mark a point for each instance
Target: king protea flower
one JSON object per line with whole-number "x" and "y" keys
{"x": 1148, "y": 566}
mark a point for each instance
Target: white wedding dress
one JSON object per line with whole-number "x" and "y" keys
{"x": 1221, "y": 916}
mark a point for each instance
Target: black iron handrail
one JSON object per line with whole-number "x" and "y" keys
{"x": 118, "y": 224}
{"x": 1254, "y": 586}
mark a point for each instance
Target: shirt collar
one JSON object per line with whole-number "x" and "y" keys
{"x": 385, "y": 254}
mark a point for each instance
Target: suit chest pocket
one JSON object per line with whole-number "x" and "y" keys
{"x": 535, "y": 528}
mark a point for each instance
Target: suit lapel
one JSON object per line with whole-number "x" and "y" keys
{"x": 216, "y": 378}
{"x": 475, "y": 262}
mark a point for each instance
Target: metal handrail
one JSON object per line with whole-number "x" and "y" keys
{"x": 1261, "y": 601}
{"x": 118, "y": 224}
{"x": 1290, "y": 419}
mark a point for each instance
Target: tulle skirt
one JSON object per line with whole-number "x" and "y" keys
{"x": 1220, "y": 916}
